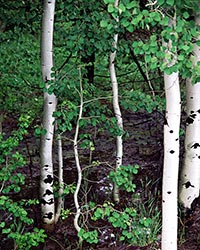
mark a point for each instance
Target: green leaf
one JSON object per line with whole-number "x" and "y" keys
{"x": 2, "y": 224}
{"x": 109, "y": 1}
{"x": 130, "y": 28}
{"x": 122, "y": 7}
{"x": 103, "y": 23}
{"x": 186, "y": 15}
{"x": 170, "y": 2}
{"x": 111, "y": 8}
{"x": 131, "y": 5}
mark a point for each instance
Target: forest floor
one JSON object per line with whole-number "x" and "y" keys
{"x": 143, "y": 145}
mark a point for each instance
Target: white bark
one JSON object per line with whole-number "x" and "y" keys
{"x": 76, "y": 154}
{"x": 117, "y": 111}
{"x": 171, "y": 157}
{"x": 46, "y": 183}
{"x": 190, "y": 174}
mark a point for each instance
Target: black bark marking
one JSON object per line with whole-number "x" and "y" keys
{"x": 171, "y": 131}
{"x": 169, "y": 192}
{"x": 189, "y": 120}
{"x": 191, "y": 97}
{"x": 48, "y": 215}
{"x": 195, "y": 145}
{"x": 43, "y": 202}
{"x": 163, "y": 201}
{"x": 193, "y": 115}
{"x": 199, "y": 157}
{"x": 176, "y": 139}
{"x": 49, "y": 202}
{"x": 49, "y": 179}
{"x": 48, "y": 192}
{"x": 198, "y": 111}
{"x": 172, "y": 151}
{"x": 188, "y": 184}
{"x": 50, "y": 102}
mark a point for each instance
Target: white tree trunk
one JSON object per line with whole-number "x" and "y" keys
{"x": 117, "y": 111}
{"x": 46, "y": 182}
{"x": 190, "y": 174}
{"x": 76, "y": 154}
{"x": 171, "y": 157}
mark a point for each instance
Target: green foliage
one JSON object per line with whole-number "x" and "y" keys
{"x": 135, "y": 227}
{"x": 66, "y": 116}
{"x": 65, "y": 213}
{"x": 136, "y": 100}
{"x": 22, "y": 16}
{"x": 28, "y": 240}
{"x": 14, "y": 217}
{"x": 20, "y": 74}
{"x": 123, "y": 177}
{"x": 67, "y": 189}
{"x": 90, "y": 237}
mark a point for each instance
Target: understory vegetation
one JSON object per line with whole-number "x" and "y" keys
{"x": 86, "y": 124}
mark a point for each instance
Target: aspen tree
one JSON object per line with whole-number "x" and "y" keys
{"x": 190, "y": 174}
{"x": 171, "y": 150}
{"x": 50, "y": 101}
{"x": 116, "y": 107}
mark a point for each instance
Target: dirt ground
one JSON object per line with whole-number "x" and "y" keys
{"x": 143, "y": 145}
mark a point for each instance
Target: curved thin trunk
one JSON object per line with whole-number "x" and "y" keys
{"x": 50, "y": 101}
{"x": 171, "y": 156}
{"x": 117, "y": 111}
{"x": 76, "y": 154}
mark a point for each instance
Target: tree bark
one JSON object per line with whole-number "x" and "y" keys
{"x": 190, "y": 174}
{"x": 76, "y": 155}
{"x": 117, "y": 111}
{"x": 171, "y": 155}
{"x": 50, "y": 101}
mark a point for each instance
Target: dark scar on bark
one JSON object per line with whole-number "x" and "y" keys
{"x": 49, "y": 179}
{"x": 195, "y": 145}
{"x": 48, "y": 215}
{"x": 188, "y": 184}
{"x": 189, "y": 120}
{"x": 49, "y": 202}
{"x": 48, "y": 192}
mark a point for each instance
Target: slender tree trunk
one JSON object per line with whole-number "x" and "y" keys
{"x": 190, "y": 174}
{"x": 46, "y": 182}
{"x": 76, "y": 154}
{"x": 60, "y": 201}
{"x": 117, "y": 111}
{"x": 171, "y": 156}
